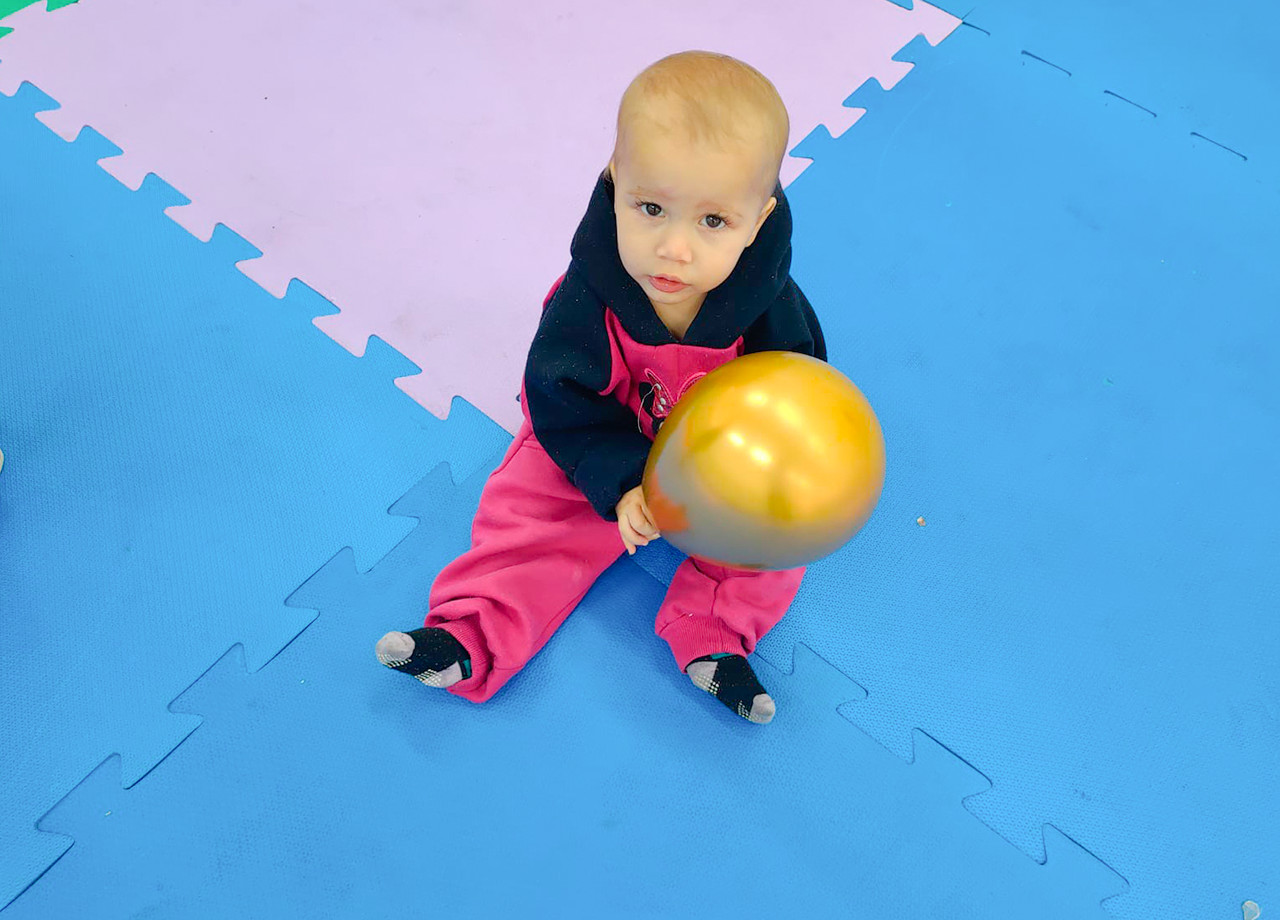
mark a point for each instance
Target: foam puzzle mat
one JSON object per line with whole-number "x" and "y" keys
{"x": 387, "y": 210}
{"x": 1077, "y": 342}
{"x": 1202, "y": 69}
{"x": 9, "y": 7}
{"x": 570, "y": 794}
{"x": 172, "y": 437}
{"x": 1041, "y": 682}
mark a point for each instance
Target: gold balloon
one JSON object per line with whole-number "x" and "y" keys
{"x": 770, "y": 462}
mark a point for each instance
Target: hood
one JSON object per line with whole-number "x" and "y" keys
{"x": 752, "y": 287}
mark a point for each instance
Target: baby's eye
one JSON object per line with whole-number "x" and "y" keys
{"x": 653, "y": 210}
{"x": 715, "y": 221}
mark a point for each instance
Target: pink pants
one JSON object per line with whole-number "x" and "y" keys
{"x": 537, "y": 546}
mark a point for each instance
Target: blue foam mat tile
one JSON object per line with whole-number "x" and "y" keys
{"x": 813, "y": 144}
{"x": 1206, "y": 69}
{"x": 660, "y": 559}
{"x": 1063, "y": 315}
{"x": 181, "y": 452}
{"x": 598, "y": 780}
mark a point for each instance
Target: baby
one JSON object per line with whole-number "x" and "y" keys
{"x": 680, "y": 264}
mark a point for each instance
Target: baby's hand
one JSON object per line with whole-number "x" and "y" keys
{"x": 635, "y": 522}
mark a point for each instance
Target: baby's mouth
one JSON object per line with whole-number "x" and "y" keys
{"x": 667, "y": 284}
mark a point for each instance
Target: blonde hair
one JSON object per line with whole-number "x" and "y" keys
{"x": 709, "y": 97}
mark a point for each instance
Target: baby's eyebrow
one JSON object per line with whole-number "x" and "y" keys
{"x": 652, "y": 193}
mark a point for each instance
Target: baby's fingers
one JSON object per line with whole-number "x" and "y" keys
{"x": 643, "y": 522}
{"x": 630, "y": 537}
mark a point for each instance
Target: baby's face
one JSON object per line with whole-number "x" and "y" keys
{"x": 685, "y": 213}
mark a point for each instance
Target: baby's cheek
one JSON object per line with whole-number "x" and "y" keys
{"x": 724, "y": 268}
{"x": 628, "y": 262}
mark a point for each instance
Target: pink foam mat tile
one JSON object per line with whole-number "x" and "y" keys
{"x": 420, "y": 164}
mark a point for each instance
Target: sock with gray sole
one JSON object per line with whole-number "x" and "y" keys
{"x": 431, "y": 654}
{"x": 729, "y": 679}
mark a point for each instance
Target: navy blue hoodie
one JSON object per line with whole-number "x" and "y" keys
{"x": 579, "y": 414}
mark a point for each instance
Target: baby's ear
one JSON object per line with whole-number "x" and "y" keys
{"x": 764, "y": 215}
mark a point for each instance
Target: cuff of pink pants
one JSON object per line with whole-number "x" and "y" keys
{"x": 691, "y": 637}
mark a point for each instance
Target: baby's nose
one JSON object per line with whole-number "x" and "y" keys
{"x": 675, "y": 247}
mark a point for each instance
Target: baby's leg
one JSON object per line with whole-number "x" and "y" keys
{"x": 537, "y": 546}
{"x": 713, "y": 617}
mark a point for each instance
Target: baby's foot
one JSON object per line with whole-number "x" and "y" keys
{"x": 432, "y": 655}
{"x": 730, "y": 680}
